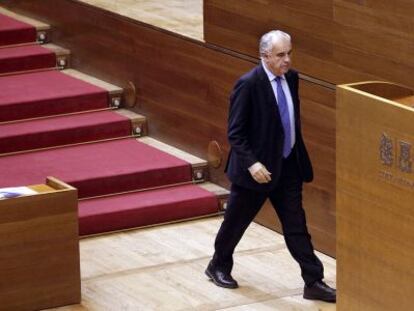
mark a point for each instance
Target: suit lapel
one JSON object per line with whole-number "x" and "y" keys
{"x": 266, "y": 88}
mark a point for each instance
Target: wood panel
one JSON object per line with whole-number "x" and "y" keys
{"x": 375, "y": 195}
{"x": 39, "y": 249}
{"x": 183, "y": 87}
{"x": 338, "y": 41}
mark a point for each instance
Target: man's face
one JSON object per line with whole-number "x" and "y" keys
{"x": 278, "y": 61}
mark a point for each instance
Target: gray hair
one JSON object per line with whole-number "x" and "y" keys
{"x": 268, "y": 40}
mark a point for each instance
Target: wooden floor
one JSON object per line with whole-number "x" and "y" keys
{"x": 162, "y": 268}
{"x": 181, "y": 16}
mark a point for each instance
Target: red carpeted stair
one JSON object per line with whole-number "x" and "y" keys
{"x": 26, "y": 57}
{"x": 97, "y": 168}
{"x": 145, "y": 208}
{"x": 13, "y": 31}
{"x": 139, "y": 185}
{"x": 45, "y": 93}
{"x": 62, "y": 130}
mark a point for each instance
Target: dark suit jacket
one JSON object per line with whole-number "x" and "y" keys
{"x": 255, "y": 130}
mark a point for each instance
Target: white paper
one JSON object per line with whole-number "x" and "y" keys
{"x": 11, "y": 192}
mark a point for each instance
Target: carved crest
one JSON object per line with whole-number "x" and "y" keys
{"x": 386, "y": 150}
{"x": 404, "y": 160}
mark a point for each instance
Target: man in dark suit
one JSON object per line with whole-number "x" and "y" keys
{"x": 268, "y": 159}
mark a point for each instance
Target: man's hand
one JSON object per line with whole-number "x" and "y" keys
{"x": 260, "y": 173}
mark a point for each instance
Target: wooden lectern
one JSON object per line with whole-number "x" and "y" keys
{"x": 375, "y": 197}
{"x": 39, "y": 248}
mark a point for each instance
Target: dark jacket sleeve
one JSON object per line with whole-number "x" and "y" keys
{"x": 238, "y": 123}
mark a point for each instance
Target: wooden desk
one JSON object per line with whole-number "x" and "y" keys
{"x": 375, "y": 197}
{"x": 39, "y": 248}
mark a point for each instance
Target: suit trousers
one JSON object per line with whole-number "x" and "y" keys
{"x": 286, "y": 199}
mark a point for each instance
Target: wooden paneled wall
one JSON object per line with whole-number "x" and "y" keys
{"x": 338, "y": 41}
{"x": 183, "y": 88}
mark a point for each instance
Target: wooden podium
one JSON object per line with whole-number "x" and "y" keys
{"x": 39, "y": 248}
{"x": 375, "y": 197}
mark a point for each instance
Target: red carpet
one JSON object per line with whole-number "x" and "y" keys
{"x": 13, "y": 31}
{"x": 26, "y": 57}
{"x": 98, "y": 168}
{"x": 144, "y": 208}
{"x": 63, "y": 130}
{"x": 47, "y": 93}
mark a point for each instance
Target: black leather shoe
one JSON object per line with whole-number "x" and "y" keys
{"x": 320, "y": 291}
{"x": 220, "y": 278}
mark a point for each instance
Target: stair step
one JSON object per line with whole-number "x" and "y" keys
{"x": 16, "y": 29}
{"x": 62, "y": 55}
{"x": 26, "y": 57}
{"x": 199, "y": 166}
{"x": 158, "y": 206}
{"x": 139, "y": 126}
{"x": 114, "y": 92}
{"x": 221, "y": 193}
{"x": 52, "y": 92}
{"x": 97, "y": 168}
{"x": 67, "y": 129}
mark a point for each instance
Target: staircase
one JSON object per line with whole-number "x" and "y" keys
{"x": 56, "y": 121}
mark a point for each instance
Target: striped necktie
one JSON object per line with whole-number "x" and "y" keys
{"x": 284, "y": 115}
